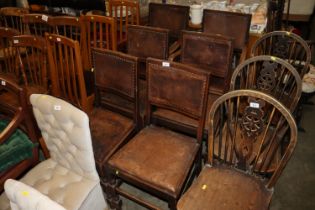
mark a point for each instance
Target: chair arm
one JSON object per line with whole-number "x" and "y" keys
{"x": 12, "y": 126}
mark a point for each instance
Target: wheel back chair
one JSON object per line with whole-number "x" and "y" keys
{"x": 241, "y": 172}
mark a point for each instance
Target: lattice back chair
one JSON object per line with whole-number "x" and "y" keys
{"x": 231, "y": 24}
{"x": 172, "y": 17}
{"x": 18, "y": 144}
{"x": 12, "y": 17}
{"x": 8, "y": 55}
{"x": 285, "y": 45}
{"x": 242, "y": 147}
{"x": 126, "y": 12}
{"x": 33, "y": 62}
{"x": 115, "y": 117}
{"x": 73, "y": 28}
{"x": 100, "y": 33}
{"x": 166, "y": 157}
{"x": 66, "y": 71}
{"x": 37, "y": 24}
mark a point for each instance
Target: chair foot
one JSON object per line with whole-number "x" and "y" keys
{"x": 112, "y": 197}
{"x": 172, "y": 204}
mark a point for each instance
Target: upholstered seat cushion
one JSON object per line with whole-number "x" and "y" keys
{"x": 225, "y": 189}
{"x": 108, "y": 130}
{"x": 58, "y": 183}
{"x": 17, "y": 148}
{"x": 159, "y": 157}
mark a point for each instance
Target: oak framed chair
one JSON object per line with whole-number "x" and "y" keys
{"x": 242, "y": 146}
{"x": 8, "y": 55}
{"x": 18, "y": 142}
{"x": 285, "y": 45}
{"x": 270, "y": 75}
{"x": 66, "y": 72}
{"x": 126, "y": 12}
{"x": 166, "y": 158}
{"x": 115, "y": 117}
{"x": 11, "y": 17}
{"x": 231, "y": 24}
{"x": 37, "y": 24}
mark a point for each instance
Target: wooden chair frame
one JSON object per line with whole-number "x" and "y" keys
{"x": 12, "y": 17}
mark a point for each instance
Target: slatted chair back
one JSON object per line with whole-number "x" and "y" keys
{"x": 250, "y": 139}
{"x": 271, "y": 75}
{"x": 37, "y": 24}
{"x": 66, "y": 71}
{"x": 285, "y": 45}
{"x": 33, "y": 62}
{"x": 12, "y": 17}
{"x": 8, "y": 54}
{"x": 126, "y": 12}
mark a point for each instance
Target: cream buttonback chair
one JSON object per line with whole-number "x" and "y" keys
{"x": 69, "y": 176}
{"x": 24, "y": 197}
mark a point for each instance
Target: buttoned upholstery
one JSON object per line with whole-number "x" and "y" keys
{"x": 23, "y": 197}
{"x": 69, "y": 177}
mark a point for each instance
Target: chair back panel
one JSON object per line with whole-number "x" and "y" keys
{"x": 208, "y": 52}
{"x": 177, "y": 87}
{"x": 66, "y": 70}
{"x": 37, "y": 24}
{"x": 32, "y": 59}
{"x": 144, "y": 42}
{"x": 126, "y": 12}
{"x": 12, "y": 17}
{"x": 230, "y": 24}
{"x": 8, "y": 54}
{"x": 172, "y": 17}
{"x": 271, "y": 75}
{"x": 286, "y": 45}
{"x": 243, "y": 133}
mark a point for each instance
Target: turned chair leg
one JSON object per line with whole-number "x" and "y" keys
{"x": 172, "y": 204}
{"x": 112, "y": 197}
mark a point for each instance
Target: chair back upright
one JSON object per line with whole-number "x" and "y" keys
{"x": 12, "y": 17}
{"x": 37, "y": 24}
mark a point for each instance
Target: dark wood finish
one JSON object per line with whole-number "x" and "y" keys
{"x": 126, "y": 12}
{"x": 8, "y": 55}
{"x": 166, "y": 158}
{"x": 66, "y": 71}
{"x": 115, "y": 117}
{"x": 18, "y": 116}
{"x": 242, "y": 150}
{"x": 12, "y": 17}
{"x": 37, "y": 24}
{"x": 33, "y": 63}
{"x": 231, "y": 24}
{"x": 271, "y": 75}
{"x": 285, "y": 45}
{"x": 100, "y": 33}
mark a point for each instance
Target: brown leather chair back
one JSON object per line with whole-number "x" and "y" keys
{"x": 172, "y": 17}
{"x": 208, "y": 52}
{"x": 116, "y": 81}
{"x": 177, "y": 87}
{"x": 145, "y": 41}
{"x": 230, "y": 24}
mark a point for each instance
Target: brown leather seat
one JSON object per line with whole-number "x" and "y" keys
{"x": 108, "y": 130}
{"x": 212, "y": 184}
{"x": 162, "y": 144}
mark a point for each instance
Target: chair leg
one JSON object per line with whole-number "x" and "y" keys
{"x": 112, "y": 197}
{"x": 172, "y": 204}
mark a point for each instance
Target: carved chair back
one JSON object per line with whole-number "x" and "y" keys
{"x": 126, "y": 12}
{"x": 179, "y": 88}
{"x": 286, "y": 45}
{"x": 37, "y": 24}
{"x": 270, "y": 75}
{"x": 172, "y": 17}
{"x": 12, "y": 17}
{"x": 250, "y": 140}
{"x": 8, "y": 54}
{"x": 32, "y": 55}
{"x": 116, "y": 82}
{"x": 66, "y": 71}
